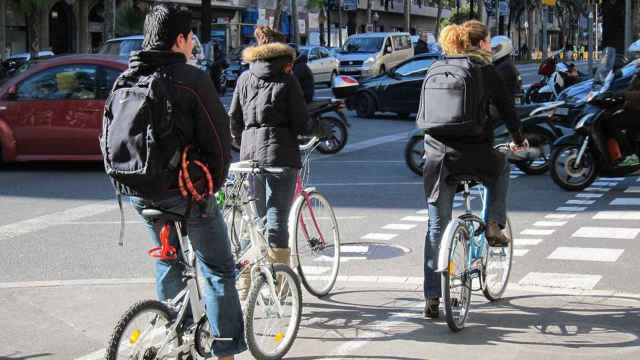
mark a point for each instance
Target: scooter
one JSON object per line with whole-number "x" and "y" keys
{"x": 579, "y": 158}
{"x": 331, "y": 114}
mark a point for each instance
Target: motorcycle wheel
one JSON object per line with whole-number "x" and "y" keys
{"x": 414, "y": 154}
{"x": 544, "y": 141}
{"x": 338, "y": 138}
{"x": 563, "y": 170}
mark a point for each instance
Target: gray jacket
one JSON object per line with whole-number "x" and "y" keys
{"x": 268, "y": 109}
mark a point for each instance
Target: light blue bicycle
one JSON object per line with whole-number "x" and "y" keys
{"x": 465, "y": 255}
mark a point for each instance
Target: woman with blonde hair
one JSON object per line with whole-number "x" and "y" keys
{"x": 464, "y": 154}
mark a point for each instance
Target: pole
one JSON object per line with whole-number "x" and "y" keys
{"x": 205, "y": 26}
{"x": 407, "y": 15}
{"x": 339, "y": 22}
{"x": 368, "y": 14}
{"x": 590, "y": 55}
{"x": 627, "y": 26}
{"x": 328, "y": 27}
{"x": 295, "y": 36}
{"x": 544, "y": 33}
{"x": 597, "y": 28}
{"x": 497, "y": 13}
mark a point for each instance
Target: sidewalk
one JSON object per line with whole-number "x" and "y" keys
{"x": 359, "y": 321}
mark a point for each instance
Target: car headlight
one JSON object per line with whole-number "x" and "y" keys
{"x": 367, "y": 63}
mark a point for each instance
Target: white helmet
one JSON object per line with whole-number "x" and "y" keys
{"x": 501, "y": 46}
{"x": 635, "y": 47}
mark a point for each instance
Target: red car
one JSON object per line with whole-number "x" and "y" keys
{"x": 53, "y": 109}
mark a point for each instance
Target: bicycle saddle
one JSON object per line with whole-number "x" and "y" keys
{"x": 161, "y": 215}
{"x": 457, "y": 179}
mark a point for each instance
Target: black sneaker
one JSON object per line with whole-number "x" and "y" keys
{"x": 432, "y": 308}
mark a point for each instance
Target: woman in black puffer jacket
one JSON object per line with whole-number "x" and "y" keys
{"x": 267, "y": 114}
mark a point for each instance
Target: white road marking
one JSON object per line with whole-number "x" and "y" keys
{"x": 560, "y": 216}
{"x": 633, "y": 189}
{"x": 422, "y": 212}
{"x": 537, "y": 232}
{"x": 626, "y": 201}
{"x": 585, "y": 254}
{"x": 526, "y": 242}
{"x": 571, "y": 208}
{"x": 361, "y": 249}
{"x": 19, "y": 228}
{"x": 399, "y": 226}
{"x": 601, "y": 189}
{"x": 611, "y": 178}
{"x": 556, "y": 280}
{"x": 550, "y": 223}
{"x": 377, "y": 236}
{"x": 589, "y": 195}
{"x": 617, "y": 215}
{"x": 374, "y": 142}
{"x": 604, "y": 183}
{"x": 580, "y": 202}
{"x": 316, "y": 270}
{"x": 415, "y": 218}
{"x": 607, "y": 232}
{"x": 520, "y": 252}
{"x": 330, "y": 259}
{"x": 457, "y": 205}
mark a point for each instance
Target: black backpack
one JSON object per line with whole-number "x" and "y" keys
{"x": 453, "y": 102}
{"x": 140, "y": 140}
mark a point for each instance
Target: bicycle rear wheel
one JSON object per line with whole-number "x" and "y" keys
{"x": 497, "y": 268}
{"x": 316, "y": 240}
{"x": 237, "y": 230}
{"x": 456, "y": 282}
{"x": 141, "y": 332}
{"x": 269, "y": 333}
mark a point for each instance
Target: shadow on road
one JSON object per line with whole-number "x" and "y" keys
{"x": 570, "y": 322}
{"x": 16, "y": 356}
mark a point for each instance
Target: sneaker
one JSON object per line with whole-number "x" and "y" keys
{"x": 495, "y": 236}
{"x": 630, "y": 160}
{"x": 432, "y": 308}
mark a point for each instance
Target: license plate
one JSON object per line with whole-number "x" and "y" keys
{"x": 562, "y": 111}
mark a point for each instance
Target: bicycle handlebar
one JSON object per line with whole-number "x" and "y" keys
{"x": 310, "y": 144}
{"x": 252, "y": 167}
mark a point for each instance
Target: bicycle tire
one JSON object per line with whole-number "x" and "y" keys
{"x": 235, "y": 226}
{"x": 494, "y": 295}
{"x": 460, "y": 241}
{"x": 284, "y": 339}
{"x": 339, "y": 137}
{"x": 113, "y": 350}
{"x": 299, "y": 241}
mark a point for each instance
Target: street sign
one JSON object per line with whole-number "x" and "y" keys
{"x": 350, "y": 5}
{"x": 504, "y": 8}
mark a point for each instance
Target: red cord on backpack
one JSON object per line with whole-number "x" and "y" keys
{"x": 165, "y": 251}
{"x": 184, "y": 179}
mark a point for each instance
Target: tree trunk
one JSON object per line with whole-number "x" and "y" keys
{"x": 407, "y": 15}
{"x": 368, "y": 14}
{"x": 530, "y": 31}
{"x": 438, "y": 16}
{"x": 33, "y": 25}
{"x": 277, "y": 18}
{"x": 205, "y": 22}
{"x": 109, "y": 20}
{"x": 322, "y": 17}
{"x": 613, "y": 24}
{"x": 482, "y": 14}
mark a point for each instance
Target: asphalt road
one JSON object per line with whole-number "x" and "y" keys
{"x": 573, "y": 290}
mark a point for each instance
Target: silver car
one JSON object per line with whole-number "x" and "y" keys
{"x": 323, "y": 66}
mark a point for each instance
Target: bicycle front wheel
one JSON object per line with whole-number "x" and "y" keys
{"x": 456, "y": 280}
{"x": 141, "y": 332}
{"x": 498, "y": 268}
{"x": 270, "y": 330}
{"x": 316, "y": 239}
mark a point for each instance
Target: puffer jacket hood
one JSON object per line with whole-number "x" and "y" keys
{"x": 268, "y": 60}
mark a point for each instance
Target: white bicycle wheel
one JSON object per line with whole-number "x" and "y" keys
{"x": 456, "y": 281}
{"x": 498, "y": 268}
{"x": 316, "y": 240}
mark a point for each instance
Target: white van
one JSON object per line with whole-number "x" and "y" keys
{"x": 371, "y": 54}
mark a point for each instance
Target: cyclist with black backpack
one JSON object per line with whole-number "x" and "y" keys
{"x": 453, "y": 111}
{"x": 166, "y": 142}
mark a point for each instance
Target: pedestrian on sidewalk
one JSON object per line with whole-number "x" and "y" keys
{"x": 268, "y": 112}
{"x": 183, "y": 99}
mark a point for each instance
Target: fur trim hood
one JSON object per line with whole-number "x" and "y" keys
{"x": 268, "y": 52}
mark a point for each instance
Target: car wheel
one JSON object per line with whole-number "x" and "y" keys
{"x": 382, "y": 70}
{"x": 365, "y": 105}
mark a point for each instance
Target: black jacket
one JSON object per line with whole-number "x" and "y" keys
{"x": 466, "y": 155}
{"x": 305, "y": 77}
{"x": 204, "y": 123}
{"x": 509, "y": 74}
{"x": 421, "y": 47}
{"x": 268, "y": 110}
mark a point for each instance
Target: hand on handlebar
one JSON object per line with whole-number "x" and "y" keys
{"x": 522, "y": 147}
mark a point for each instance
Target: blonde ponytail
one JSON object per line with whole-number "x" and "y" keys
{"x": 453, "y": 39}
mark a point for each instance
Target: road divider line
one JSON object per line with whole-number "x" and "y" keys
{"x": 550, "y": 223}
{"x": 373, "y": 142}
{"x": 607, "y": 232}
{"x": 560, "y": 216}
{"x": 399, "y": 226}
{"x": 632, "y": 201}
{"x": 571, "y": 208}
{"x": 560, "y": 280}
{"x": 415, "y": 218}
{"x": 585, "y": 254}
{"x": 589, "y": 195}
{"x": 379, "y": 236}
{"x": 617, "y": 215}
{"x": 520, "y": 252}
{"x": 537, "y": 232}
{"x": 580, "y": 202}
{"x": 517, "y": 242}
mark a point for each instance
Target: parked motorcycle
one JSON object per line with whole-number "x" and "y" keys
{"x": 579, "y": 158}
{"x": 552, "y": 84}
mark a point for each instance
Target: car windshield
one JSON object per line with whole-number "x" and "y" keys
{"x": 121, "y": 48}
{"x": 414, "y": 67}
{"x": 362, "y": 45}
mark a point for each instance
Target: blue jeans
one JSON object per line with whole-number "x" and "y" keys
{"x": 208, "y": 234}
{"x": 274, "y": 193}
{"x": 495, "y": 208}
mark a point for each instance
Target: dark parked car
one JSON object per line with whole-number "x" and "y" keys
{"x": 397, "y": 90}
{"x": 53, "y": 110}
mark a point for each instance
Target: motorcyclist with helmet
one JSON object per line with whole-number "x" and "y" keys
{"x": 501, "y": 48}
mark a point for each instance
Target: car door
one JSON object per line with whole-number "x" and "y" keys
{"x": 40, "y": 115}
{"x": 404, "y": 92}
{"x": 328, "y": 64}
{"x": 315, "y": 64}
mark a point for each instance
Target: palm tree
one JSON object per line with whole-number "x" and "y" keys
{"x": 278, "y": 14}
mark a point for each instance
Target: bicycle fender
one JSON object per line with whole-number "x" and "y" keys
{"x": 445, "y": 245}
